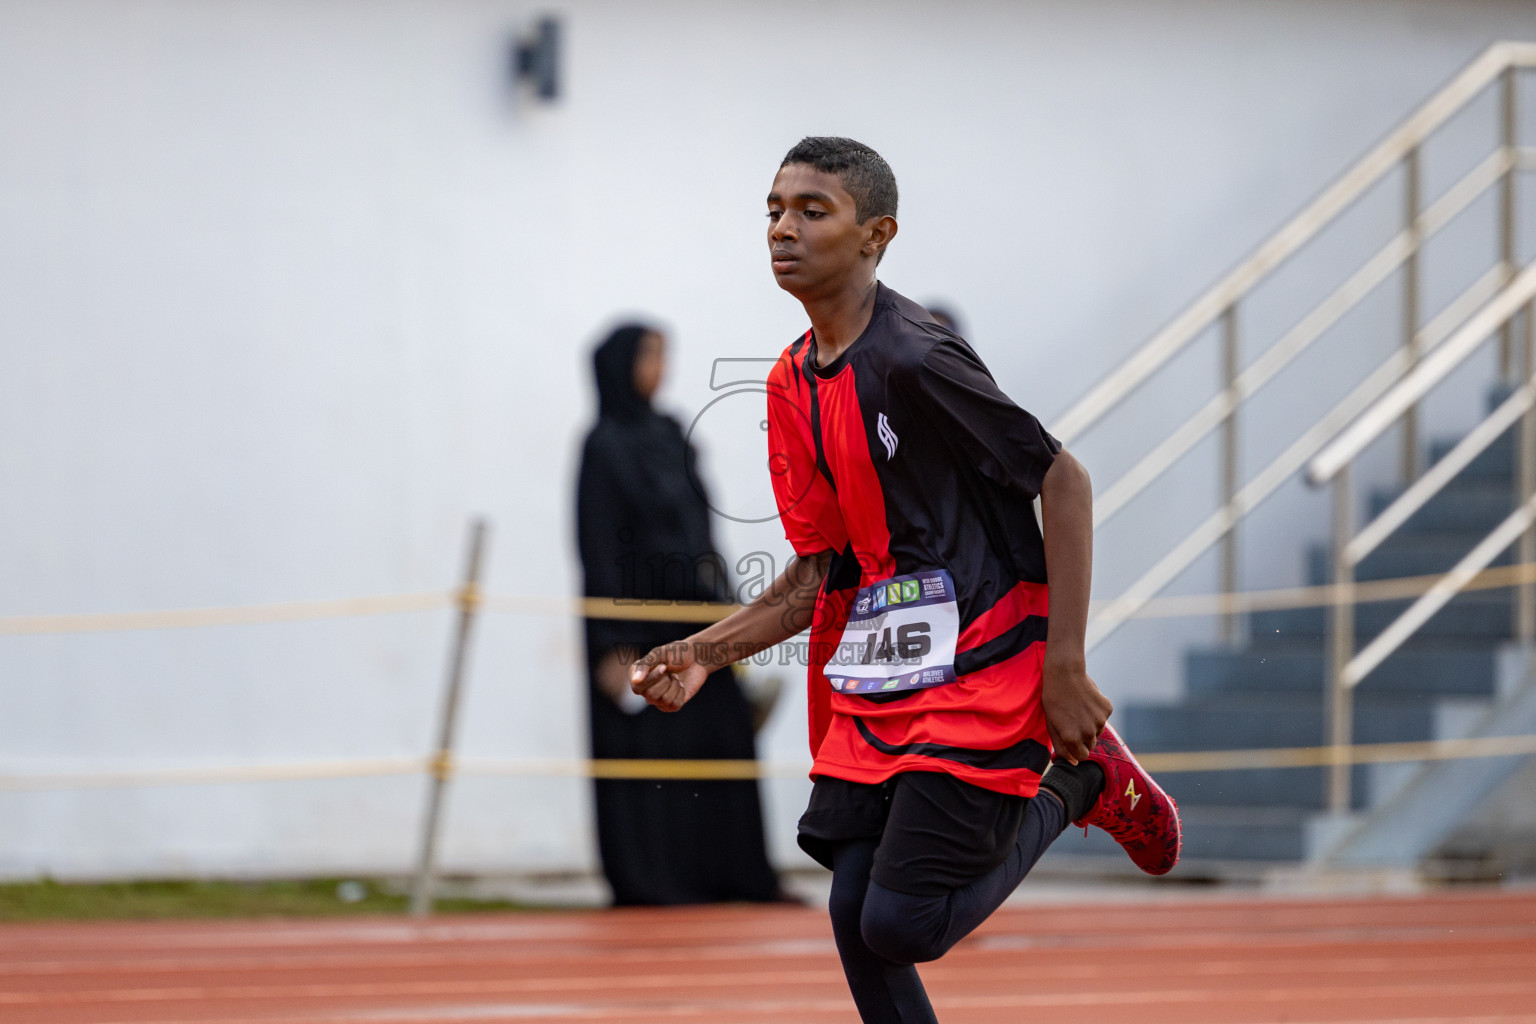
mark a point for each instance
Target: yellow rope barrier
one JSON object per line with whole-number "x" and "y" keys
{"x": 1401, "y": 588}
{"x": 609, "y": 608}
{"x": 236, "y": 615}
{"x": 706, "y": 770}
{"x": 1327, "y": 595}
{"x": 200, "y": 775}
{"x": 636, "y": 768}
{"x": 1323, "y": 596}
{"x": 1310, "y": 757}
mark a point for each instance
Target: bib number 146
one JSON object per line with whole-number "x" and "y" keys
{"x": 912, "y": 640}
{"x": 901, "y": 635}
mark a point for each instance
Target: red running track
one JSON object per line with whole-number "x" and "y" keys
{"x": 1443, "y": 959}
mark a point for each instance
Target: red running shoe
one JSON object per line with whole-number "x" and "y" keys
{"x": 1133, "y": 808}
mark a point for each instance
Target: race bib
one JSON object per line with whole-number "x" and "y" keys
{"x": 900, "y": 635}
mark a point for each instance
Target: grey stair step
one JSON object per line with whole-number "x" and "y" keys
{"x": 1419, "y": 554}
{"x": 1300, "y": 667}
{"x": 1238, "y": 833}
{"x": 1211, "y": 834}
{"x": 1496, "y": 395}
{"x": 1424, "y": 812}
{"x": 1481, "y": 614}
{"x": 1497, "y": 461}
{"x": 1477, "y": 505}
{"x": 1258, "y": 788}
{"x": 1236, "y": 721}
{"x": 1270, "y": 693}
{"x": 1219, "y": 838}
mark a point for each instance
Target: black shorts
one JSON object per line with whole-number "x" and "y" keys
{"x": 935, "y": 832}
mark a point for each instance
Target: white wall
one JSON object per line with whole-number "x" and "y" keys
{"x": 290, "y": 290}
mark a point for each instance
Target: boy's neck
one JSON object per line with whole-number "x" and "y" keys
{"x": 839, "y": 318}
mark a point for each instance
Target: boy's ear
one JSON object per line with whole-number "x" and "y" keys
{"x": 880, "y": 232}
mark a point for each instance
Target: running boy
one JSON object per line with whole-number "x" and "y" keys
{"x": 904, "y": 479}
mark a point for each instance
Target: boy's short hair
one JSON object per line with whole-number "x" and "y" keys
{"x": 864, "y": 173}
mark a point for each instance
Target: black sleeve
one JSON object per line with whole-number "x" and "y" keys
{"x": 981, "y": 424}
{"x": 601, "y": 513}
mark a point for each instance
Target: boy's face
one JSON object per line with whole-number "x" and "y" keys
{"x": 815, "y": 240}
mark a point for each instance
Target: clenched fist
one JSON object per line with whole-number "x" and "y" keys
{"x": 1075, "y": 710}
{"x": 668, "y": 676}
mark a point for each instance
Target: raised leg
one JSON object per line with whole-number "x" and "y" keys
{"x": 902, "y": 928}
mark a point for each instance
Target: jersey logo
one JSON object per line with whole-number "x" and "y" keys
{"x": 887, "y": 436}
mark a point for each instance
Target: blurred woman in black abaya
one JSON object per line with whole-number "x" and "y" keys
{"x": 644, "y": 533}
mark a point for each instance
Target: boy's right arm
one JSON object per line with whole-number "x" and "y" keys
{"x": 670, "y": 675}
{"x": 1075, "y": 710}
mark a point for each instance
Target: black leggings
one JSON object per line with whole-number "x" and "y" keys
{"x": 882, "y": 933}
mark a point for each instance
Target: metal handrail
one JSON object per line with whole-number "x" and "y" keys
{"x": 1416, "y": 384}
{"x": 1347, "y": 667}
{"x": 1441, "y": 473}
{"x": 1220, "y": 523}
{"x": 1438, "y": 596}
{"x": 1402, "y": 251}
{"x": 1299, "y": 338}
{"x": 1296, "y": 233}
{"x": 1389, "y": 395}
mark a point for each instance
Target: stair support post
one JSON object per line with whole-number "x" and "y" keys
{"x": 1525, "y": 594}
{"x": 1509, "y": 133}
{"x": 1228, "y": 468}
{"x": 1412, "y": 188}
{"x": 1341, "y": 648}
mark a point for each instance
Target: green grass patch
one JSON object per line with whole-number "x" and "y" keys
{"x": 317, "y": 897}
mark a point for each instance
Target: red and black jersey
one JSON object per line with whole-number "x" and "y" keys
{"x": 900, "y": 456}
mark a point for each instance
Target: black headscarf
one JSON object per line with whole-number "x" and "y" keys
{"x": 614, "y": 363}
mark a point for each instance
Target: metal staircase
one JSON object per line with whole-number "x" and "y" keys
{"x": 1272, "y": 690}
{"x": 1349, "y": 670}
